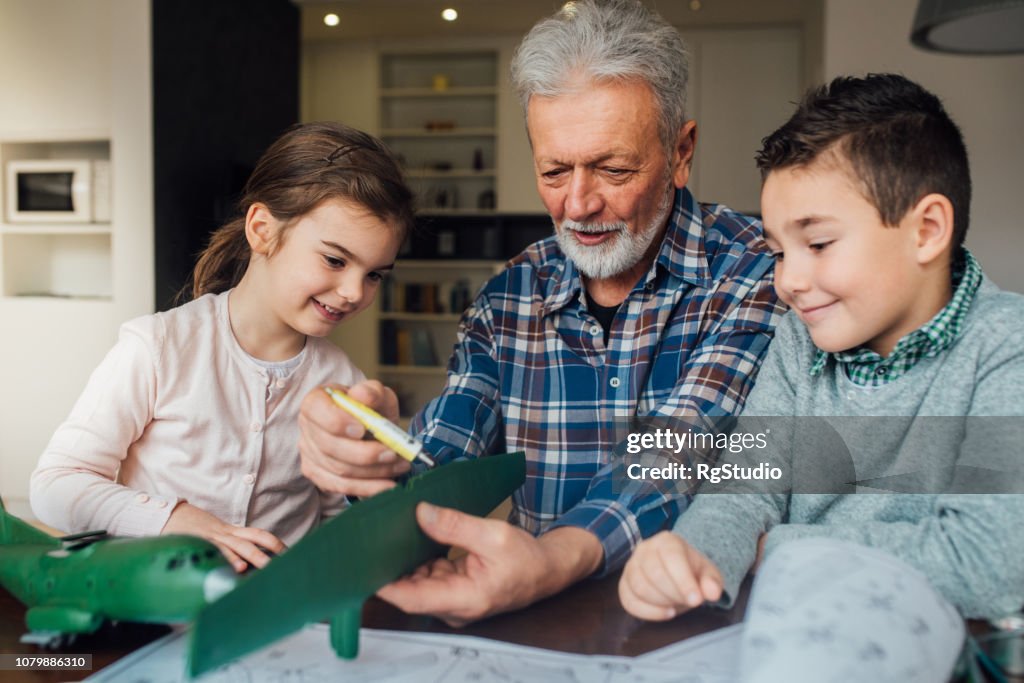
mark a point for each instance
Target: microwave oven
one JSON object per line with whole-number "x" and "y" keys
{"x": 58, "y": 191}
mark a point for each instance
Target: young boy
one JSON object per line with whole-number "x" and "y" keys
{"x": 865, "y": 201}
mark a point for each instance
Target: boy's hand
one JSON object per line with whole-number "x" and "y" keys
{"x": 667, "y": 576}
{"x": 241, "y": 546}
{"x": 334, "y": 455}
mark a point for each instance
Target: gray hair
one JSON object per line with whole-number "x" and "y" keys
{"x": 610, "y": 40}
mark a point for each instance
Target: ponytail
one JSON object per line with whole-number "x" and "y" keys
{"x": 222, "y": 264}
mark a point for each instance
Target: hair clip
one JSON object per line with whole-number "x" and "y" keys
{"x": 339, "y": 152}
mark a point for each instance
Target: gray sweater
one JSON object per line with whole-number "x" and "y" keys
{"x": 969, "y": 545}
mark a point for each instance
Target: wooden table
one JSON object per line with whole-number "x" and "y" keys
{"x": 587, "y": 618}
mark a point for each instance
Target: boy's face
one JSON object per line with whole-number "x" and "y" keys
{"x": 852, "y": 280}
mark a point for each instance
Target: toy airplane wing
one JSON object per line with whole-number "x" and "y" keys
{"x": 335, "y": 568}
{"x": 14, "y": 531}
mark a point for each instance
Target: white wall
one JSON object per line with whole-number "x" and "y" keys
{"x": 984, "y": 95}
{"x": 742, "y": 85}
{"x": 72, "y": 68}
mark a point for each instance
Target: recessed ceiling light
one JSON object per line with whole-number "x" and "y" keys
{"x": 695, "y": 5}
{"x": 332, "y": 19}
{"x": 449, "y": 14}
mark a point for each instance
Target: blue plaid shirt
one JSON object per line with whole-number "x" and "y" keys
{"x": 531, "y": 372}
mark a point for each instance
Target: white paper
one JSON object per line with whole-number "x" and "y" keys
{"x": 397, "y": 656}
{"x": 714, "y": 655}
{"x": 821, "y": 611}
{"x": 829, "y": 611}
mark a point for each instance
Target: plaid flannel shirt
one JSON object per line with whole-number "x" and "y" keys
{"x": 530, "y": 371}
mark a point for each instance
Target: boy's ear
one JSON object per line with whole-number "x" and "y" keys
{"x": 932, "y": 218}
{"x": 260, "y": 229}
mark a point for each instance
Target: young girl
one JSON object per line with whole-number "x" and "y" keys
{"x": 189, "y": 425}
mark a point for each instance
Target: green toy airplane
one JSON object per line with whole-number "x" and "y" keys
{"x": 71, "y": 585}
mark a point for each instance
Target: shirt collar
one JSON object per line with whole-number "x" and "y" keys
{"x": 681, "y": 254}
{"x": 935, "y": 336}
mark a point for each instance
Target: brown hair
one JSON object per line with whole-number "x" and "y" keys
{"x": 896, "y": 136}
{"x": 310, "y": 163}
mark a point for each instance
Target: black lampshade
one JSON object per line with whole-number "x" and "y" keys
{"x": 970, "y": 26}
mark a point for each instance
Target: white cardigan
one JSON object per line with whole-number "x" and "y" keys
{"x": 178, "y": 411}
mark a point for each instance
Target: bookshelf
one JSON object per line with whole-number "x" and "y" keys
{"x": 440, "y": 270}
{"x": 420, "y": 306}
{"x": 438, "y": 113}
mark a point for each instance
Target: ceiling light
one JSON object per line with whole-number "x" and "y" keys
{"x": 449, "y": 14}
{"x": 332, "y": 19}
{"x": 970, "y": 26}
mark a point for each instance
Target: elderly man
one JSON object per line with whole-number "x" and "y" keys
{"x": 643, "y": 303}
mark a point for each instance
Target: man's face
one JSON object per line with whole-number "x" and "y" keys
{"x": 603, "y": 175}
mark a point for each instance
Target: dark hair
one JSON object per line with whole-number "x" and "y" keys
{"x": 309, "y": 163}
{"x": 896, "y": 136}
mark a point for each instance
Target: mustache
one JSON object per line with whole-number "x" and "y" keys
{"x": 576, "y": 226}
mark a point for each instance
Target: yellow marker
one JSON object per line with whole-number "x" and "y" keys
{"x": 385, "y": 431}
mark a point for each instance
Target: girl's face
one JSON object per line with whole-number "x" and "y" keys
{"x": 328, "y": 266}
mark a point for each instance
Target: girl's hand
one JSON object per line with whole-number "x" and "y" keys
{"x": 334, "y": 454}
{"x": 667, "y": 576}
{"x": 241, "y": 546}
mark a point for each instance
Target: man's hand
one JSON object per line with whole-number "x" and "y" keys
{"x": 667, "y": 576}
{"x": 334, "y": 454}
{"x": 239, "y": 544}
{"x": 505, "y": 568}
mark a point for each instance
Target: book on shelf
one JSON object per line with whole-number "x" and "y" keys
{"x": 406, "y": 345}
{"x": 403, "y": 340}
{"x": 388, "y": 342}
{"x": 422, "y": 347}
{"x": 426, "y": 297}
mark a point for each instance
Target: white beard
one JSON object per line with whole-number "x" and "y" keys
{"x": 617, "y": 254}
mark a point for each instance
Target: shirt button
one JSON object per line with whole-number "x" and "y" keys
{"x": 615, "y": 382}
{"x": 595, "y": 330}
{"x": 250, "y": 480}
{"x": 161, "y": 504}
{"x": 279, "y": 383}
{"x": 255, "y": 426}
{"x": 880, "y": 371}
{"x": 142, "y": 498}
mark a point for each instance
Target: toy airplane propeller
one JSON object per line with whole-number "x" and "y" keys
{"x": 71, "y": 585}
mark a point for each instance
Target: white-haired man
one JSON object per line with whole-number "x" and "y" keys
{"x": 643, "y": 303}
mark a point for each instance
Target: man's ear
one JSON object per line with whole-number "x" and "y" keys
{"x": 260, "y": 229}
{"x": 682, "y": 154}
{"x": 932, "y": 222}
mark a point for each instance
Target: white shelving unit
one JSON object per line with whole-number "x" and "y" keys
{"x": 417, "y": 372}
{"x": 55, "y": 260}
{"x": 438, "y": 112}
